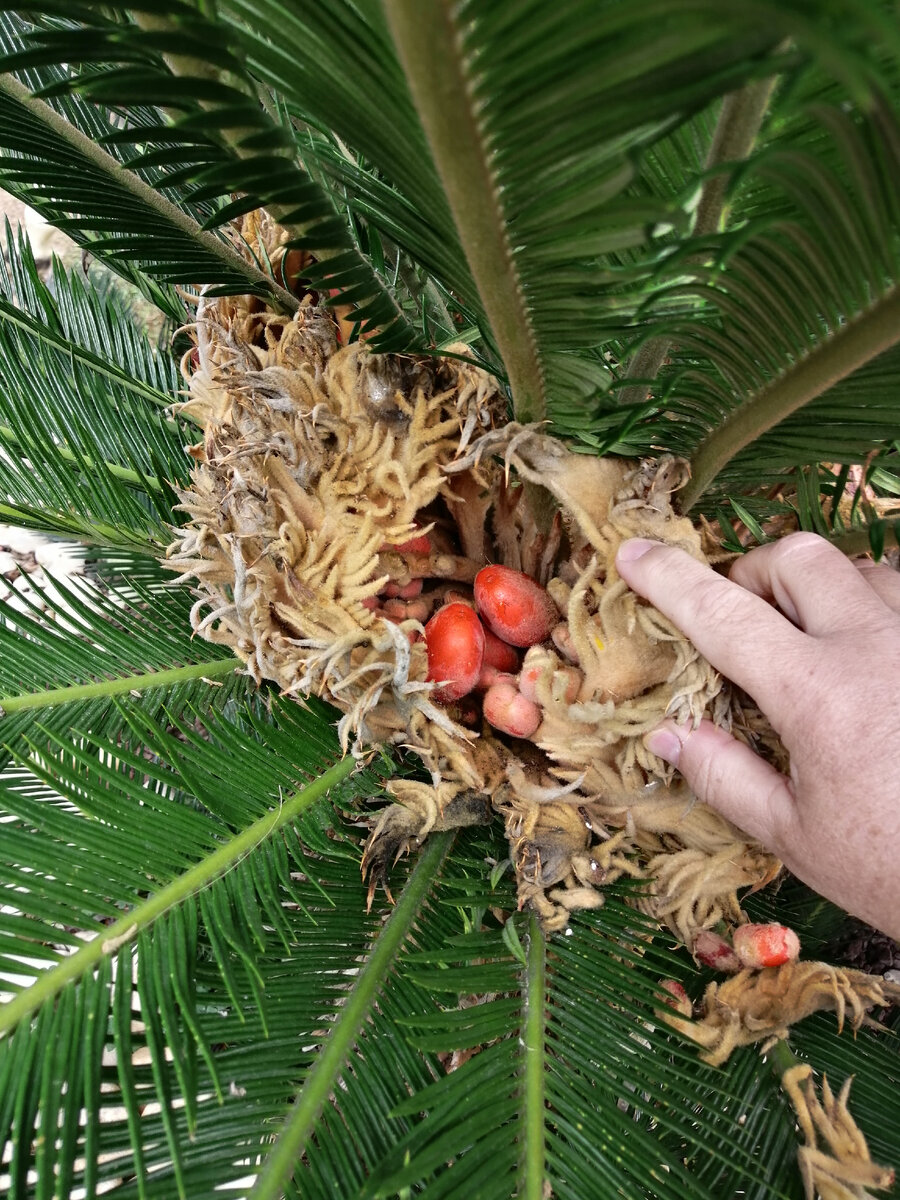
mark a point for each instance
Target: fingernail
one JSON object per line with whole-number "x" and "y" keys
{"x": 634, "y": 549}
{"x": 665, "y": 743}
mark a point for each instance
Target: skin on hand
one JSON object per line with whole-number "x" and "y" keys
{"x": 815, "y": 640}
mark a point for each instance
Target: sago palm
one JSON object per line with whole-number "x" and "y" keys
{"x": 669, "y": 230}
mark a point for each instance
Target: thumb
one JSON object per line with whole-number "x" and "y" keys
{"x": 725, "y": 774}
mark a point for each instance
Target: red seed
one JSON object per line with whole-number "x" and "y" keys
{"x": 406, "y": 591}
{"x": 421, "y": 544}
{"x": 713, "y": 951}
{"x": 410, "y": 590}
{"x": 765, "y": 945}
{"x": 538, "y": 663}
{"x": 416, "y": 545}
{"x": 676, "y": 997}
{"x": 454, "y": 640}
{"x": 507, "y": 710}
{"x": 500, "y": 654}
{"x": 530, "y": 674}
{"x": 541, "y": 664}
{"x": 574, "y": 680}
{"x": 405, "y": 610}
{"x": 395, "y": 610}
{"x": 516, "y": 608}
{"x": 417, "y": 610}
{"x": 490, "y": 675}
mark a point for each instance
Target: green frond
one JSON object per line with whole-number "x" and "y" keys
{"x": 543, "y": 220}
{"x": 322, "y": 1079}
{"x": 183, "y": 65}
{"x": 273, "y": 976}
{"x": 86, "y": 447}
{"x": 220, "y": 892}
{"x": 560, "y": 295}
{"x": 779, "y": 357}
{"x": 537, "y": 126}
{"x": 622, "y": 1095}
{"x": 81, "y": 654}
{"x": 52, "y": 159}
{"x": 99, "y": 313}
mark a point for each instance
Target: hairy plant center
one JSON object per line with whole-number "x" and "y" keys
{"x": 341, "y": 498}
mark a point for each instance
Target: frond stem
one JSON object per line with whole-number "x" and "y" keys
{"x": 857, "y": 541}
{"x": 324, "y": 1076}
{"x": 738, "y": 126}
{"x": 125, "y": 474}
{"x": 74, "y": 966}
{"x": 534, "y": 1039}
{"x": 233, "y": 138}
{"x": 118, "y": 687}
{"x": 740, "y": 119}
{"x": 91, "y": 532}
{"x": 429, "y": 43}
{"x": 856, "y": 343}
{"x": 143, "y": 192}
{"x": 99, "y": 366}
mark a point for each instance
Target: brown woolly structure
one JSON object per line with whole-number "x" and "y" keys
{"x": 759, "y": 1007}
{"x": 756, "y": 1006}
{"x": 834, "y": 1160}
{"x": 329, "y": 479}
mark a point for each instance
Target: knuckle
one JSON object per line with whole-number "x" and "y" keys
{"x": 705, "y": 762}
{"x": 801, "y": 540}
{"x": 866, "y": 566}
{"x": 705, "y": 777}
{"x": 882, "y": 579}
{"x": 780, "y": 817}
{"x": 803, "y": 546}
{"x": 666, "y": 561}
{"x": 714, "y": 603}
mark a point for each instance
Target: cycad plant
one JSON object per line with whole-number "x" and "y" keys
{"x": 667, "y": 229}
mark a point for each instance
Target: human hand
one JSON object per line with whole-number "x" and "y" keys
{"x": 815, "y": 640}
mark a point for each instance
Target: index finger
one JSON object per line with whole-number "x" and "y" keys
{"x": 737, "y": 631}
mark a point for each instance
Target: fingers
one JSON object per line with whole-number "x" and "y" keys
{"x": 884, "y": 581}
{"x": 739, "y": 633}
{"x": 728, "y": 776}
{"x": 812, "y": 583}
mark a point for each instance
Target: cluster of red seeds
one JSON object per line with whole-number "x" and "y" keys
{"x": 753, "y": 946}
{"x": 400, "y": 602}
{"x": 477, "y": 650}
